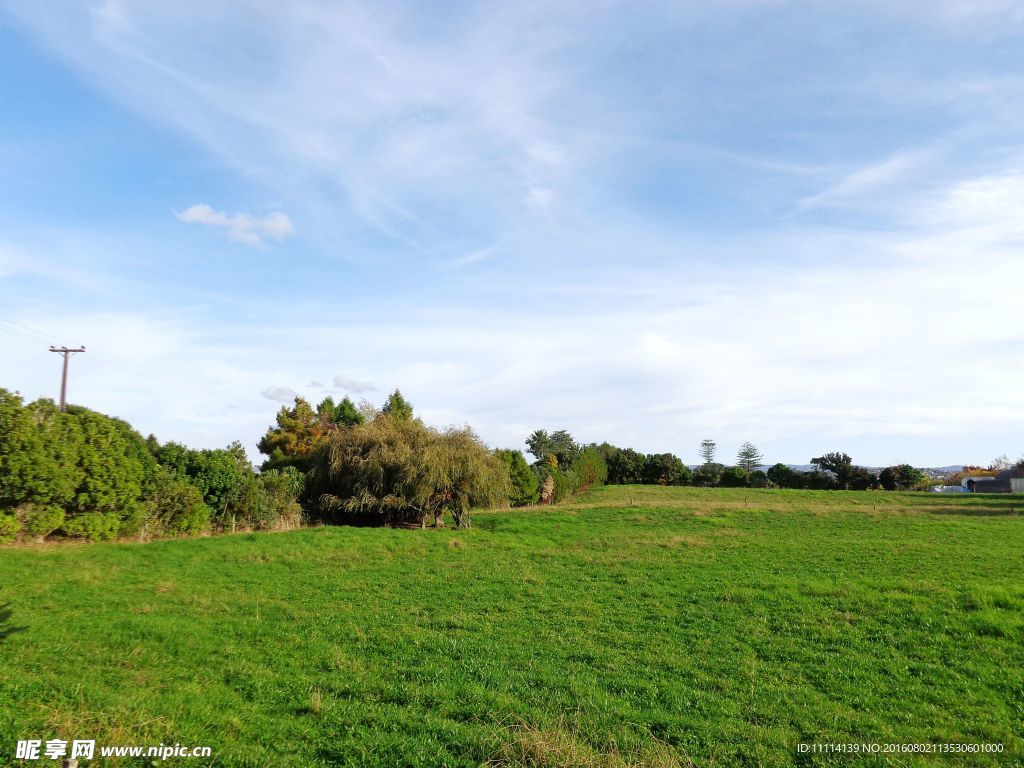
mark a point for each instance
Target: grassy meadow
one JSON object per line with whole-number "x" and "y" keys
{"x": 635, "y": 626}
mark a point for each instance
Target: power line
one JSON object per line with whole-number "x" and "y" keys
{"x": 34, "y": 334}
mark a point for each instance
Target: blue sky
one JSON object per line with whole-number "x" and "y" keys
{"x": 796, "y": 223}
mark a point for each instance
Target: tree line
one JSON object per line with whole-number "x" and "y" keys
{"x": 82, "y": 474}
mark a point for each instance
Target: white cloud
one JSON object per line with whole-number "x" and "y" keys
{"x": 280, "y": 394}
{"x": 355, "y": 386}
{"x": 241, "y": 227}
{"x": 994, "y": 202}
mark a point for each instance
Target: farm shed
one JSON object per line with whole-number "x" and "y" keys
{"x": 1007, "y": 481}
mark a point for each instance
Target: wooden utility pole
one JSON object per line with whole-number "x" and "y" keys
{"x": 65, "y": 353}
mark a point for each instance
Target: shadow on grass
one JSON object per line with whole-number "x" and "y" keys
{"x": 984, "y": 505}
{"x": 6, "y": 628}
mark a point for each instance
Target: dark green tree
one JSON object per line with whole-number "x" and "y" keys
{"x": 397, "y": 407}
{"x": 38, "y": 453}
{"x": 346, "y": 414}
{"x": 748, "y": 457}
{"x": 589, "y": 468}
{"x": 784, "y": 476}
{"x": 758, "y": 479}
{"x": 733, "y": 477}
{"x": 116, "y": 467}
{"x": 862, "y": 479}
{"x": 708, "y": 475}
{"x": 900, "y": 478}
{"x": 559, "y": 444}
{"x": 626, "y": 467}
{"x": 665, "y": 469}
{"x": 524, "y": 487}
{"x": 839, "y": 464}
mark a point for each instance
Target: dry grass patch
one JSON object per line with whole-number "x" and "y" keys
{"x": 682, "y": 540}
{"x": 562, "y": 746}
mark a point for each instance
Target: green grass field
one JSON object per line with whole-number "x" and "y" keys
{"x": 636, "y": 626}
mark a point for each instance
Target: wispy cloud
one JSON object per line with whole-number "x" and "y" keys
{"x": 865, "y": 185}
{"x": 280, "y": 394}
{"x": 241, "y": 227}
{"x": 355, "y": 386}
{"x": 696, "y": 235}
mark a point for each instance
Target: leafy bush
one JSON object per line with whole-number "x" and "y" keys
{"x": 40, "y": 521}
{"x": 269, "y": 500}
{"x": 9, "y": 526}
{"x": 95, "y": 526}
{"x": 175, "y": 507}
{"x": 39, "y": 449}
{"x": 116, "y": 465}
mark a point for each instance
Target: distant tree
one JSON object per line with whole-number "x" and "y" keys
{"x": 758, "y": 479}
{"x": 539, "y": 444}
{"x": 547, "y": 491}
{"x": 589, "y": 468}
{"x": 707, "y": 450}
{"x": 708, "y": 475}
{"x": 818, "y": 481}
{"x": 733, "y": 477}
{"x": 749, "y": 458}
{"x": 524, "y": 487}
{"x": 559, "y": 444}
{"x": 862, "y": 479}
{"x": 397, "y": 407}
{"x": 346, "y": 414}
{"x": 1019, "y": 464}
{"x": 1000, "y": 463}
{"x": 784, "y": 476}
{"x": 665, "y": 469}
{"x": 839, "y": 464}
{"x": 299, "y": 432}
{"x": 626, "y": 467}
{"x": 900, "y": 478}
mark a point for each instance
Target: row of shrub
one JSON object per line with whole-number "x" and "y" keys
{"x": 86, "y": 475}
{"x": 560, "y": 457}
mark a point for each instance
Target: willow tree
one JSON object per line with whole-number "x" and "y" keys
{"x": 394, "y": 471}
